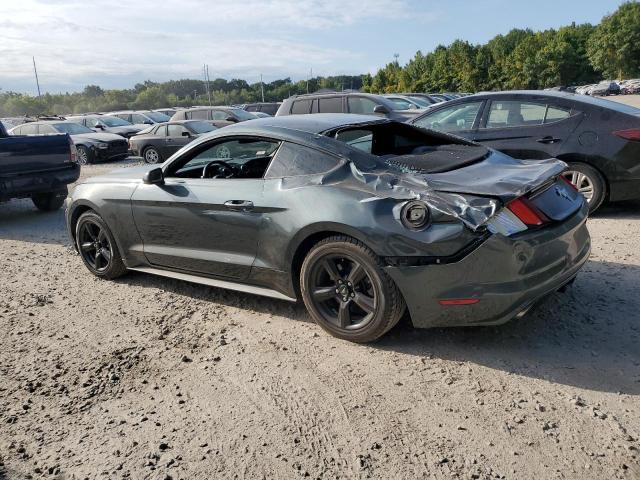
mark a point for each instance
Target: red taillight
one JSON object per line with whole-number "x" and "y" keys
{"x": 526, "y": 213}
{"x": 73, "y": 151}
{"x": 630, "y": 134}
{"x": 459, "y": 301}
{"x": 568, "y": 182}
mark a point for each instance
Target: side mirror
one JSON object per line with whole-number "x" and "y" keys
{"x": 148, "y": 122}
{"x": 186, "y": 134}
{"x": 231, "y": 119}
{"x": 154, "y": 177}
{"x": 381, "y": 109}
{"x": 99, "y": 126}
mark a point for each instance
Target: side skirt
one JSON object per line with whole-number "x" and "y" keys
{"x": 212, "y": 282}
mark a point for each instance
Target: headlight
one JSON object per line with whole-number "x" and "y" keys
{"x": 415, "y": 215}
{"x": 103, "y": 145}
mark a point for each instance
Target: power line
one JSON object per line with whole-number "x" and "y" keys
{"x": 36, "y": 72}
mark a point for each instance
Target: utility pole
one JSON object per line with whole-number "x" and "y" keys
{"x": 310, "y": 75}
{"x": 262, "y": 87}
{"x": 36, "y": 72}
{"x": 205, "y": 72}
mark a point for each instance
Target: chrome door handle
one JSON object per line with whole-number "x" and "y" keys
{"x": 239, "y": 205}
{"x": 548, "y": 140}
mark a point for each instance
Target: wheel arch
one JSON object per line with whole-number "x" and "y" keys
{"x": 305, "y": 240}
{"x": 577, "y": 158}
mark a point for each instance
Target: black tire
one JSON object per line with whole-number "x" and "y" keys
{"x": 151, "y": 155}
{"x": 50, "y": 201}
{"x": 83, "y": 155}
{"x": 335, "y": 303}
{"x": 590, "y": 181}
{"x": 97, "y": 247}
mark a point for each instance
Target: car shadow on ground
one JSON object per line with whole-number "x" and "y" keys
{"x": 627, "y": 210}
{"x": 21, "y": 220}
{"x": 587, "y": 337}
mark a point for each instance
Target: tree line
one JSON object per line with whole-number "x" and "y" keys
{"x": 521, "y": 59}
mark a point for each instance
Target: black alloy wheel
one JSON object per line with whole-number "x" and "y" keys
{"x": 347, "y": 292}
{"x": 97, "y": 247}
{"x": 342, "y": 291}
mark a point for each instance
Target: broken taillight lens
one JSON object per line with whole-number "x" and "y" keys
{"x": 630, "y": 134}
{"x": 526, "y": 213}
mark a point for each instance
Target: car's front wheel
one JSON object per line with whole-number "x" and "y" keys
{"x": 347, "y": 292}
{"x": 589, "y": 182}
{"x": 97, "y": 247}
{"x": 83, "y": 155}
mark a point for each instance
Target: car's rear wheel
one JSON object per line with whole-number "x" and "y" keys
{"x": 97, "y": 247}
{"x": 83, "y": 155}
{"x": 589, "y": 182}
{"x": 347, "y": 292}
{"x": 50, "y": 201}
{"x": 151, "y": 155}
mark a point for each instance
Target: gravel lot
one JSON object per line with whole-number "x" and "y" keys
{"x": 148, "y": 377}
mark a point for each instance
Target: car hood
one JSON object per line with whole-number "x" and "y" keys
{"x": 97, "y": 137}
{"x": 124, "y": 129}
{"x": 122, "y": 175}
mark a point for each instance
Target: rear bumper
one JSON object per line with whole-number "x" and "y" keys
{"x": 507, "y": 275}
{"x": 27, "y": 184}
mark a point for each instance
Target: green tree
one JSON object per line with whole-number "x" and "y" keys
{"x": 614, "y": 46}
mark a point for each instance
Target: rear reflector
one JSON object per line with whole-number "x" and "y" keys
{"x": 631, "y": 134}
{"x": 459, "y": 301}
{"x": 527, "y": 214}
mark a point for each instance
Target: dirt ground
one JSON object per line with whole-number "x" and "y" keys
{"x": 147, "y": 377}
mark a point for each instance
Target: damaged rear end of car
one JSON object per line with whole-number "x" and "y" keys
{"x": 524, "y": 226}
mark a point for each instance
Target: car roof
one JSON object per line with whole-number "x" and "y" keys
{"x": 314, "y": 123}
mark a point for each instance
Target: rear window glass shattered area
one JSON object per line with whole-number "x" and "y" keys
{"x": 411, "y": 149}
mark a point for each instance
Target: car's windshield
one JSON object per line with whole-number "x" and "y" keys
{"x": 400, "y": 104}
{"x": 157, "y": 117}
{"x": 71, "y": 128}
{"x": 200, "y": 127}
{"x": 242, "y": 115}
{"x": 112, "y": 121}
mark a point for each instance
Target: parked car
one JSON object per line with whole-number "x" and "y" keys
{"x": 345, "y": 102}
{"x": 407, "y": 103}
{"x": 38, "y": 167}
{"x": 260, "y": 114}
{"x": 164, "y": 139}
{"x": 458, "y": 233}
{"x": 605, "y": 88}
{"x": 91, "y": 146}
{"x": 217, "y": 116}
{"x": 270, "y": 108}
{"x": 169, "y": 112}
{"x": 106, "y": 124}
{"x": 141, "y": 118}
{"x": 599, "y": 139}
{"x": 425, "y": 98}
{"x": 630, "y": 87}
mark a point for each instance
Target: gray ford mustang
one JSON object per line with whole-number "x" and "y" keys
{"x": 360, "y": 217}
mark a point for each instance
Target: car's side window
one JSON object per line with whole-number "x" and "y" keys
{"x": 555, "y": 114}
{"x": 233, "y": 158}
{"x": 330, "y": 105}
{"x": 46, "y": 130}
{"x": 451, "y": 119}
{"x": 29, "y": 130}
{"x": 175, "y": 130}
{"x": 199, "y": 115}
{"x": 136, "y": 118}
{"x": 360, "y": 139}
{"x": 161, "y": 131}
{"x": 219, "y": 115}
{"x": 515, "y": 114}
{"x": 361, "y": 105}
{"x": 90, "y": 122}
{"x": 301, "y": 107}
{"x": 294, "y": 160}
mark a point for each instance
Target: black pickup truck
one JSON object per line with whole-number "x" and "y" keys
{"x": 38, "y": 167}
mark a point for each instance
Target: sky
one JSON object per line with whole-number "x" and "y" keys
{"x": 116, "y": 44}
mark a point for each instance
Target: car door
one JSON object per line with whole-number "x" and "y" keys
{"x": 459, "y": 118}
{"x": 527, "y": 129}
{"x": 177, "y": 137}
{"x": 205, "y": 225}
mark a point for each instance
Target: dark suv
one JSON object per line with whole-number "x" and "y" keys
{"x": 345, "y": 102}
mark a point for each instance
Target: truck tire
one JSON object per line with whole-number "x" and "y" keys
{"x": 50, "y": 201}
